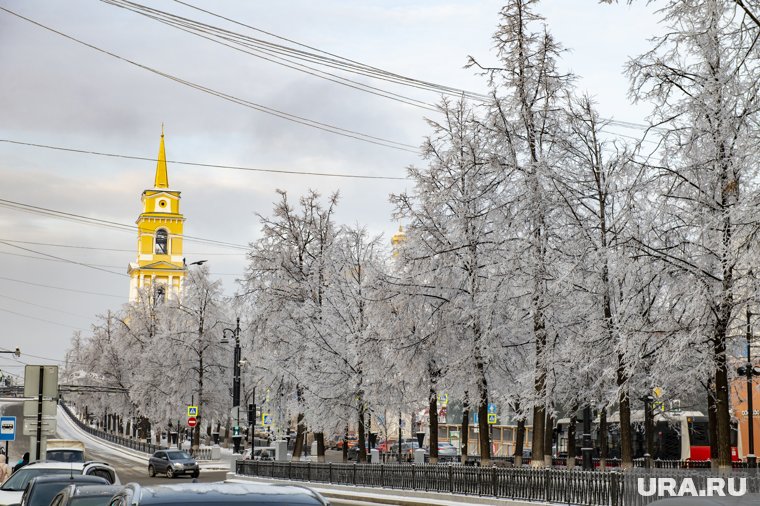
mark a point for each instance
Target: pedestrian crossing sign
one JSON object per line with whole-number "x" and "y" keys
{"x": 491, "y": 418}
{"x": 266, "y": 419}
{"x": 192, "y": 411}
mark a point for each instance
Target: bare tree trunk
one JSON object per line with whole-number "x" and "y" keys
{"x": 345, "y": 445}
{"x": 298, "y": 445}
{"x": 483, "y": 431}
{"x": 320, "y": 437}
{"x": 722, "y": 417}
{"x": 519, "y": 442}
{"x": 626, "y": 441}
{"x": 603, "y": 444}
{"x": 433, "y": 415}
{"x": 362, "y": 455}
{"x": 465, "y": 435}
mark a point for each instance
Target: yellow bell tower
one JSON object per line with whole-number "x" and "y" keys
{"x": 160, "y": 267}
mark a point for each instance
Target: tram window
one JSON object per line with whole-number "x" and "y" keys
{"x": 699, "y": 435}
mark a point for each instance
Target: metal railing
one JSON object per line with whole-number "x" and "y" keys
{"x": 586, "y": 488}
{"x": 134, "y": 444}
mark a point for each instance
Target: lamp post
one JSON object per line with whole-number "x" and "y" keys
{"x": 16, "y": 352}
{"x": 749, "y": 371}
{"x": 587, "y": 450}
{"x": 235, "y": 383}
{"x": 648, "y": 430}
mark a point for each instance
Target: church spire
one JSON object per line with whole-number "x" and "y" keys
{"x": 162, "y": 175}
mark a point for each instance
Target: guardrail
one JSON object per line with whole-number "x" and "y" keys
{"x": 134, "y": 444}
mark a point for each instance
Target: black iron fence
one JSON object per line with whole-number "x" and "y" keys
{"x": 135, "y": 444}
{"x": 544, "y": 485}
{"x": 577, "y": 487}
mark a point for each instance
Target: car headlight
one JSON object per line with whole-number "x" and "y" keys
{"x": 178, "y": 465}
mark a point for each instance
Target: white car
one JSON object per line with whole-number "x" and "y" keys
{"x": 13, "y": 488}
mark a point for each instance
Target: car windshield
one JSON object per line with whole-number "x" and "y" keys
{"x": 43, "y": 493}
{"x": 20, "y": 478}
{"x": 178, "y": 455}
{"x": 65, "y": 455}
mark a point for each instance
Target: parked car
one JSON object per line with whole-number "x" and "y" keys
{"x": 40, "y": 490}
{"x": 217, "y": 494}
{"x": 446, "y": 449}
{"x": 261, "y": 453}
{"x": 172, "y": 463}
{"x": 13, "y": 488}
{"x": 85, "y": 495}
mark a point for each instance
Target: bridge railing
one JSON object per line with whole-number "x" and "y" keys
{"x": 134, "y": 444}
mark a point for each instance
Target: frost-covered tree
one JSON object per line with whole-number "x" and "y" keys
{"x": 453, "y": 245}
{"x": 702, "y": 78}
{"x": 524, "y": 118}
{"x": 286, "y": 280}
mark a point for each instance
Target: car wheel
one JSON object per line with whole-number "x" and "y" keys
{"x": 169, "y": 472}
{"x": 151, "y": 471}
{"x": 196, "y": 474}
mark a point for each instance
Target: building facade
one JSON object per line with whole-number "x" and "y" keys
{"x": 159, "y": 269}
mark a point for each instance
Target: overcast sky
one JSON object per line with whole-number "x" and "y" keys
{"x": 56, "y": 92}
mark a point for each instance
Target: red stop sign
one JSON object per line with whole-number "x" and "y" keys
{"x": 192, "y": 421}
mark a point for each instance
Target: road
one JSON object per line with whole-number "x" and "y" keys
{"x": 129, "y": 467}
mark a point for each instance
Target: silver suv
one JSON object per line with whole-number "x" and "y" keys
{"x": 172, "y": 463}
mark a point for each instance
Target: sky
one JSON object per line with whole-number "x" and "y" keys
{"x": 57, "y": 274}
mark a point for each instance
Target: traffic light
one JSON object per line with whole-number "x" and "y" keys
{"x": 236, "y": 431}
{"x": 251, "y": 414}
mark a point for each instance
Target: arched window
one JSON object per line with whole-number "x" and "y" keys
{"x": 160, "y": 294}
{"x": 162, "y": 240}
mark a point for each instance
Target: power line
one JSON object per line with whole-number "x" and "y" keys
{"x": 39, "y": 319}
{"x": 25, "y": 282}
{"x": 353, "y": 134}
{"x": 89, "y": 266}
{"x": 197, "y": 164}
{"x": 44, "y": 307}
{"x": 93, "y": 248}
{"x": 259, "y": 49}
{"x": 344, "y": 63}
{"x": 104, "y": 223}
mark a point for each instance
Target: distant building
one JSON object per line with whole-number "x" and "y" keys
{"x": 160, "y": 267}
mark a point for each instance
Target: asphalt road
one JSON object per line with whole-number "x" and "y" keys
{"x": 129, "y": 468}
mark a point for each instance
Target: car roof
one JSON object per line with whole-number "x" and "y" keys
{"x": 62, "y": 478}
{"x": 214, "y": 493}
{"x": 80, "y": 490}
{"x": 57, "y": 464}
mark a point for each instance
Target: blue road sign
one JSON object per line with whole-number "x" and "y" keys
{"x": 491, "y": 408}
{"x": 7, "y": 428}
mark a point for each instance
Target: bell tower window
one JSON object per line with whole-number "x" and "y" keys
{"x": 159, "y": 295}
{"x": 162, "y": 242}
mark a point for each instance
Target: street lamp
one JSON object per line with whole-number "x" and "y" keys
{"x": 749, "y": 371}
{"x": 16, "y": 352}
{"x": 648, "y": 429}
{"x": 587, "y": 450}
{"x": 235, "y": 382}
